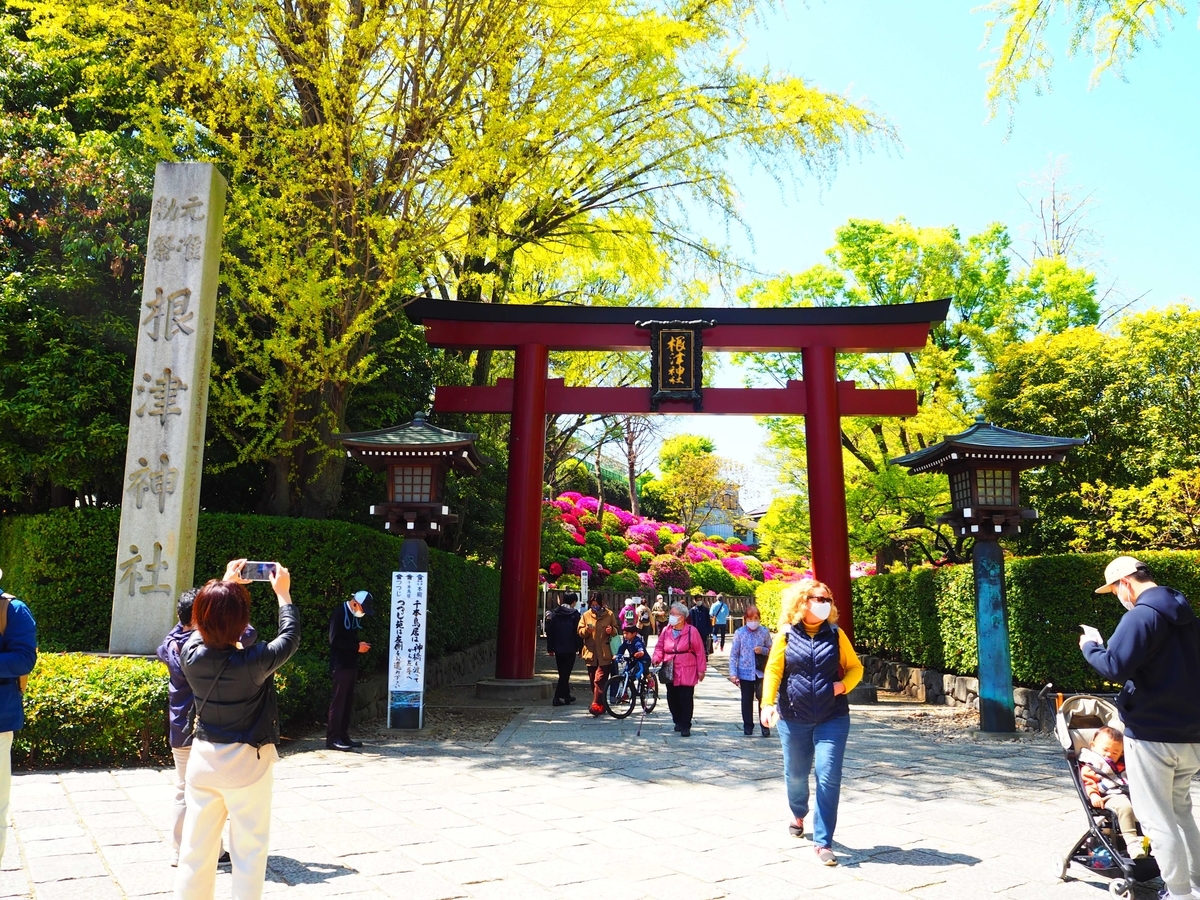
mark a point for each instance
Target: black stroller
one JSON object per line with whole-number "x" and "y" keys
{"x": 1101, "y": 850}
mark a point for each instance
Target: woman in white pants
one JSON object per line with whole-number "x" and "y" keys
{"x": 230, "y": 771}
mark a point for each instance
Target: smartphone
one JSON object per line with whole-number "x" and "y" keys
{"x": 258, "y": 571}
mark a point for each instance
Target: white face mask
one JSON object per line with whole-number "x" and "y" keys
{"x": 820, "y": 609}
{"x": 752, "y": 625}
{"x": 1128, "y": 604}
{"x": 674, "y": 620}
{"x": 357, "y": 613}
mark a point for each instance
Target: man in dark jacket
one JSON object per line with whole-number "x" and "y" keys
{"x": 345, "y": 647}
{"x": 562, "y": 642}
{"x": 18, "y": 653}
{"x": 700, "y": 618}
{"x": 1155, "y": 651}
{"x": 180, "y": 700}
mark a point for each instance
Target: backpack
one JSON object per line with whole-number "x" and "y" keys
{"x": 22, "y": 680}
{"x": 628, "y": 616}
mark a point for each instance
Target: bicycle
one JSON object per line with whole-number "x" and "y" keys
{"x": 624, "y": 691}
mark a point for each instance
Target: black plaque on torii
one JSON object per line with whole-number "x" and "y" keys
{"x": 676, "y": 360}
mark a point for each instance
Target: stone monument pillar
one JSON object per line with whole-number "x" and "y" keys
{"x": 163, "y": 461}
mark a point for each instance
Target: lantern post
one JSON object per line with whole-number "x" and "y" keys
{"x": 984, "y": 464}
{"x": 417, "y": 457}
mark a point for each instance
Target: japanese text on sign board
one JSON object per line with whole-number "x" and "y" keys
{"x": 675, "y": 351}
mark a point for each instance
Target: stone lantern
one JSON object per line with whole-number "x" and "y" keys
{"x": 416, "y": 456}
{"x": 984, "y": 464}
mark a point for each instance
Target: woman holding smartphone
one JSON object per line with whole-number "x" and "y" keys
{"x": 231, "y": 769}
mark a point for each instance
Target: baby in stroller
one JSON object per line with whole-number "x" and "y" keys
{"x": 1102, "y": 768}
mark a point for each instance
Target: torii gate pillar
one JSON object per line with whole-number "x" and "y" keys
{"x": 523, "y": 516}
{"x": 826, "y": 479}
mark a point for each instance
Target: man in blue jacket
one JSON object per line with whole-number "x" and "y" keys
{"x": 18, "y": 653}
{"x": 1155, "y": 651}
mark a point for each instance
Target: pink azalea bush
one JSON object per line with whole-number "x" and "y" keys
{"x": 653, "y": 551}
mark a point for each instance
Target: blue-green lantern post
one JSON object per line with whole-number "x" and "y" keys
{"x": 983, "y": 464}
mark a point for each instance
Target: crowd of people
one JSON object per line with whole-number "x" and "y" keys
{"x": 224, "y": 721}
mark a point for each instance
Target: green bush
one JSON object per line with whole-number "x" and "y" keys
{"x": 712, "y": 576}
{"x": 624, "y": 580}
{"x": 743, "y": 587}
{"x": 84, "y": 710}
{"x": 753, "y": 566}
{"x": 597, "y": 540}
{"x": 90, "y": 711}
{"x": 618, "y": 543}
{"x": 927, "y": 617}
{"x": 615, "y": 562}
{"x": 62, "y": 564}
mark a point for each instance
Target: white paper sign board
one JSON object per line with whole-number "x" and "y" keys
{"x": 406, "y": 650}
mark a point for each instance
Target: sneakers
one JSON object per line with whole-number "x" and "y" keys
{"x": 825, "y": 855}
{"x": 354, "y": 744}
{"x": 596, "y": 709}
{"x": 337, "y": 745}
{"x": 766, "y": 731}
{"x": 685, "y": 732}
{"x": 559, "y": 702}
{"x": 796, "y": 828}
{"x": 748, "y": 731}
{"x": 570, "y": 699}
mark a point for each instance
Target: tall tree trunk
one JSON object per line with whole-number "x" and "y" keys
{"x": 599, "y": 484}
{"x": 633, "y": 497}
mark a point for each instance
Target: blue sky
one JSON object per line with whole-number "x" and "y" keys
{"x": 1135, "y": 143}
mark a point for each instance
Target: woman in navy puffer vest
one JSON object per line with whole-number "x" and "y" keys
{"x": 808, "y": 674}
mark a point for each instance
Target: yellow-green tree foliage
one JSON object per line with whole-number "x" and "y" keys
{"x": 881, "y": 263}
{"x": 383, "y": 150}
{"x": 1115, "y": 29}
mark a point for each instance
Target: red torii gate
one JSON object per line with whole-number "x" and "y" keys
{"x": 533, "y": 331}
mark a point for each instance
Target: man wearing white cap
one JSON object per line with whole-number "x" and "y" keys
{"x": 1155, "y": 651}
{"x": 345, "y": 647}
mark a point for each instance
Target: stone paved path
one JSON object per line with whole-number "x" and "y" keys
{"x": 561, "y": 805}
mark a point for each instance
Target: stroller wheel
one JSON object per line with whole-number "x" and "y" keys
{"x": 1061, "y": 864}
{"x": 1119, "y": 887}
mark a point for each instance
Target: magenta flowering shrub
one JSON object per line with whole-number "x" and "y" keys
{"x": 642, "y": 533}
{"x": 573, "y": 496}
{"x": 646, "y": 579}
{"x": 735, "y": 567}
{"x": 670, "y": 572}
{"x": 563, "y": 505}
{"x": 577, "y": 566}
{"x": 698, "y": 553}
{"x": 591, "y": 504}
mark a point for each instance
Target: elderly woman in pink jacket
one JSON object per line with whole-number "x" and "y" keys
{"x": 680, "y": 650}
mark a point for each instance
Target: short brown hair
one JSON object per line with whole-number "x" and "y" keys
{"x": 1111, "y": 733}
{"x": 221, "y": 612}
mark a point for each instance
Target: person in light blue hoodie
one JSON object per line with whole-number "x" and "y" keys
{"x": 18, "y": 654}
{"x": 747, "y": 659}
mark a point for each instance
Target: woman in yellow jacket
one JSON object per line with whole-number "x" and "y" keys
{"x": 811, "y": 668}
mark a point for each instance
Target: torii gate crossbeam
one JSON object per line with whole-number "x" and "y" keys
{"x": 816, "y": 333}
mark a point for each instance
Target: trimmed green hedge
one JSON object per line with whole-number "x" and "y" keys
{"x": 83, "y": 710}
{"x": 62, "y": 564}
{"x": 92, "y": 711}
{"x": 927, "y": 617}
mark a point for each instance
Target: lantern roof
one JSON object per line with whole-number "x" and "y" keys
{"x": 983, "y": 443}
{"x": 415, "y": 440}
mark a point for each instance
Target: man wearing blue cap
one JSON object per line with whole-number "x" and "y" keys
{"x": 345, "y": 647}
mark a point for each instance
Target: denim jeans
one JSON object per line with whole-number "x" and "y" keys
{"x": 824, "y": 745}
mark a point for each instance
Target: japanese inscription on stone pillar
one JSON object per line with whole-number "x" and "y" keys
{"x": 165, "y": 454}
